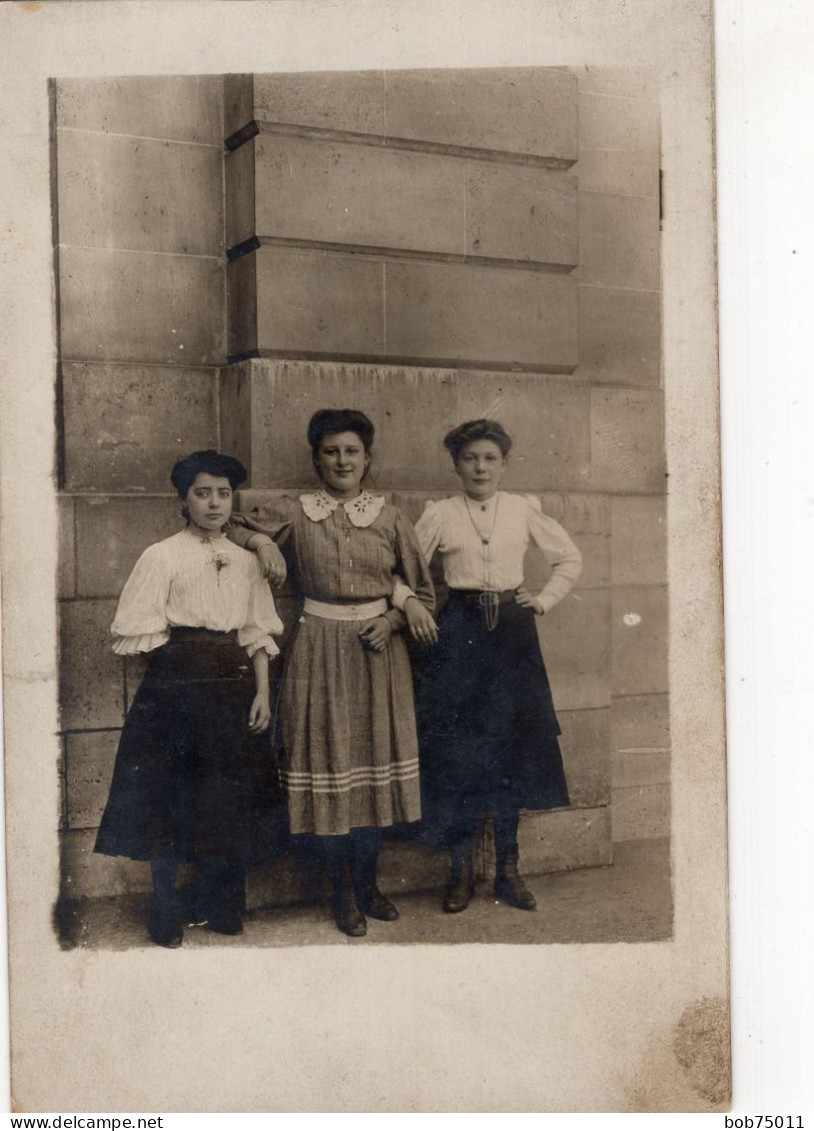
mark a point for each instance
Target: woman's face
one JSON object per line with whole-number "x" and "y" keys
{"x": 341, "y": 463}
{"x": 209, "y": 502}
{"x": 480, "y": 468}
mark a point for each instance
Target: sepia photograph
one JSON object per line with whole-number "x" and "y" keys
{"x": 371, "y": 535}
{"x": 419, "y": 328}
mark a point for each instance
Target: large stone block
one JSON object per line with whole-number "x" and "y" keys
{"x": 561, "y": 840}
{"x": 626, "y": 125}
{"x": 330, "y": 100}
{"x": 314, "y": 302}
{"x": 235, "y": 391}
{"x": 493, "y": 316}
{"x": 576, "y": 641}
{"x": 548, "y": 420}
{"x": 126, "y": 425}
{"x": 619, "y": 335}
{"x": 112, "y": 533}
{"x": 619, "y": 241}
{"x": 639, "y": 539}
{"x": 521, "y": 213}
{"x": 307, "y": 189}
{"x": 90, "y": 769}
{"x": 640, "y": 769}
{"x": 627, "y": 440}
{"x": 91, "y": 683}
{"x": 640, "y": 640}
{"x": 137, "y": 306}
{"x": 66, "y": 553}
{"x": 400, "y": 401}
{"x": 527, "y": 111}
{"x": 623, "y": 82}
{"x": 240, "y": 189}
{"x": 139, "y": 194}
{"x": 641, "y": 812}
{"x": 640, "y": 724}
{"x": 618, "y": 171}
{"x": 585, "y": 744}
{"x": 595, "y": 550}
{"x": 241, "y": 306}
{"x": 238, "y": 102}
{"x": 181, "y": 107}
{"x": 579, "y": 514}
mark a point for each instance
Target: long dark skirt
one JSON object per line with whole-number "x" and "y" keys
{"x": 190, "y": 780}
{"x": 486, "y": 721}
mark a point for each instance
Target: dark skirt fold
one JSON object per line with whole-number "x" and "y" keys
{"x": 488, "y": 732}
{"x": 189, "y": 779}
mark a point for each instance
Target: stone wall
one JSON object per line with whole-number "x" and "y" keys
{"x": 139, "y": 229}
{"x": 430, "y": 246}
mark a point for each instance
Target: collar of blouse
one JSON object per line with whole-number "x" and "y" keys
{"x": 362, "y": 511}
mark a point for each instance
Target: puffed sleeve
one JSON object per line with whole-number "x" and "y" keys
{"x": 262, "y": 621}
{"x": 428, "y": 529}
{"x": 412, "y": 568}
{"x": 560, "y": 553}
{"x": 273, "y": 520}
{"x": 428, "y": 533}
{"x": 140, "y": 624}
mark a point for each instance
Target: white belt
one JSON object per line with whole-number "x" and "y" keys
{"x": 364, "y": 611}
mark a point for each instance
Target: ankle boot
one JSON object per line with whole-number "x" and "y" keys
{"x": 461, "y": 886}
{"x": 371, "y": 901}
{"x": 164, "y": 923}
{"x": 347, "y": 913}
{"x": 509, "y": 885}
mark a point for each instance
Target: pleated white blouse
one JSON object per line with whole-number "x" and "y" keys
{"x": 198, "y": 583}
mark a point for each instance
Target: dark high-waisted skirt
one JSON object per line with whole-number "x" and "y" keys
{"x": 190, "y": 780}
{"x": 486, "y": 721}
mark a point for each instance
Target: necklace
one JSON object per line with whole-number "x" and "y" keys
{"x": 485, "y": 538}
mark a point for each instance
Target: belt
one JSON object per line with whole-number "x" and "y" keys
{"x": 330, "y": 611}
{"x": 489, "y": 600}
{"x": 484, "y": 596}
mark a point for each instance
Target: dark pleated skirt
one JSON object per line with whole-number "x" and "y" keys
{"x": 190, "y": 780}
{"x": 488, "y": 732}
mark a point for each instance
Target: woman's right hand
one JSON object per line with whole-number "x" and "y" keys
{"x": 420, "y": 622}
{"x": 272, "y": 564}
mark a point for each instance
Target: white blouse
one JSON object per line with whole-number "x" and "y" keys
{"x": 198, "y": 583}
{"x": 483, "y": 544}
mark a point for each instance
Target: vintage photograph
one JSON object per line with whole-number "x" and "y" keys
{"x": 363, "y": 566}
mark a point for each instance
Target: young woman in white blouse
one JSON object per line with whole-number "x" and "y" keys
{"x": 182, "y": 788}
{"x": 487, "y": 727}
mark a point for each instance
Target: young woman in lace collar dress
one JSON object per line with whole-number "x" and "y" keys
{"x": 348, "y": 718}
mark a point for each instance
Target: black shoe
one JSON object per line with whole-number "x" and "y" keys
{"x": 225, "y": 922}
{"x": 348, "y": 916}
{"x": 458, "y": 894}
{"x": 461, "y": 886}
{"x": 165, "y": 928}
{"x": 378, "y": 906}
{"x": 509, "y": 884}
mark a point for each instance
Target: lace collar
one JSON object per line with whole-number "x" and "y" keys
{"x": 362, "y": 511}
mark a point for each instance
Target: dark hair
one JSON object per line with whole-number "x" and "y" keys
{"x": 210, "y": 462}
{"x": 456, "y": 440}
{"x": 330, "y": 421}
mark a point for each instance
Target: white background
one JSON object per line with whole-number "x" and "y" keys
{"x": 765, "y": 123}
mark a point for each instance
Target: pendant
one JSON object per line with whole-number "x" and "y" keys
{"x": 485, "y": 541}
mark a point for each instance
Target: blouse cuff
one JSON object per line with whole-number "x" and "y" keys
{"x": 396, "y": 618}
{"x": 132, "y": 645}
{"x": 401, "y": 594}
{"x": 265, "y": 643}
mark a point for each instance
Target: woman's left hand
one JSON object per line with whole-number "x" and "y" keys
{"x": 528, "y": 601}
{"x": 259, "y": 714}
{"x": 376, "y": 633}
